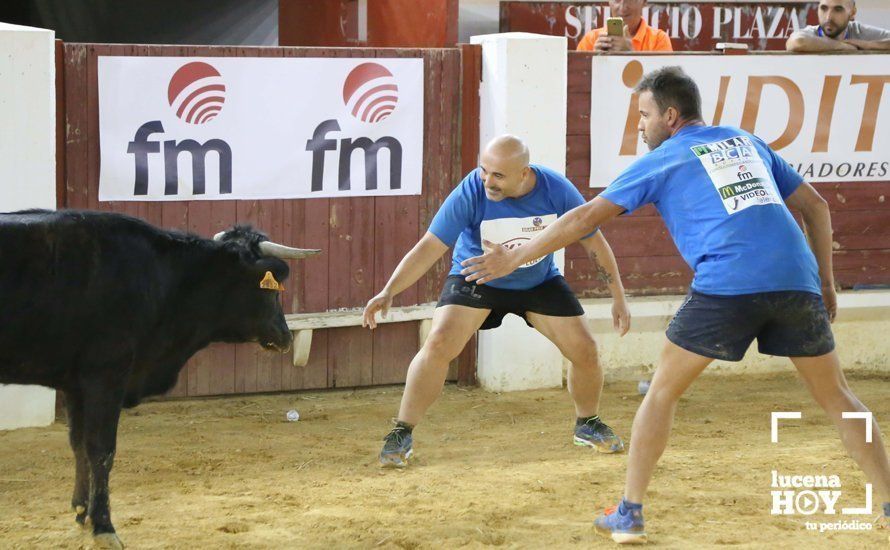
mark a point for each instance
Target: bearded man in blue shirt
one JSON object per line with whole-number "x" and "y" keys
{"x": 725, "y": 197}
{"x": 506, "y": 201}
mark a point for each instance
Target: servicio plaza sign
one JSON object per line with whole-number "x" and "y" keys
{"x": 696, "y": 26}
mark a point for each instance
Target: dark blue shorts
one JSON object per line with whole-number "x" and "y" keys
{"x": 787, "y": 324}
{"x": 553, "y": 297}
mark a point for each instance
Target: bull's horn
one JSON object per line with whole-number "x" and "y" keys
{"x": 285, "y": 252}
{"x": 219, "y": 236}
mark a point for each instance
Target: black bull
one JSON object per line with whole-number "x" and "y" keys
{"x": 108, "y": 309}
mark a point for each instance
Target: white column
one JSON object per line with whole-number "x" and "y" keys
{"x": 523, "y": 92}
{"x": 27, "y": 170}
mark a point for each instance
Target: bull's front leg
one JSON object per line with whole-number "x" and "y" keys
{"x": 101, "y": 416}
{"x": 80, "y": 498}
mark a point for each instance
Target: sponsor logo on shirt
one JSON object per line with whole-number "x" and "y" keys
{"x": 514, "y": 232}
{"x": 738, "y": 173}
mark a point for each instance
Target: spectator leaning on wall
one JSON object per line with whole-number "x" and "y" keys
{"x": 638, "y": 35}
{"x": 837, "y": 31}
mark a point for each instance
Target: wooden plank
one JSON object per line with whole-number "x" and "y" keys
{"x": 394, "y": 347}
{"x": 395, "y": 233}
{"x": 353, "y": 317}
{"x": 350, "y": 357}
{"x": 396, "y": 227}
{"x": 61, "y": 199}
{"x": 579, "y": 67}
{"x": 92, "y": 101}
{"x": 471, "y": 76}
{"x": 77, "y": 134}
{"x": 350, "y": 281}
{"x": 312, "y": 228}
{"x": 578, "y": 114}
{"x": 633, "y": 236}
{"x": 641, "y": 275}
{"x": 351, "y": 285}
{"x": 861, "y": 229}
{"x": 466, "y": 363}
{"x": 862, "y": 195}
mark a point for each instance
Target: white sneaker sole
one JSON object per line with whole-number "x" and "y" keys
{"x": 626, "y": 538}
{"x": 623, "y": 538}
{"x": 390, "y": 464}
{"x": 605, "y": 450}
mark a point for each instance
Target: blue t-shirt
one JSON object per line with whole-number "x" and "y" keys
{"x": 721, "y": 193}
{"x": 467, "y": 216}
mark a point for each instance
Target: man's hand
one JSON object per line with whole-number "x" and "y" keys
{"x": 494, "y": 264}
{"x": 859, "y": 44}
{"x": 620, "y": 317}
{"x": 829, "y": 297}
{"x": 381, "y": 303}
{"x": 603, "y": 43}
{"x": 622, "y": 43}
{"x": 606, "y": 43}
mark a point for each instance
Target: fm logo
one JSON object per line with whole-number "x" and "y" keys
{"x": 371, "y": 95}
{"x": 196, "y": 94}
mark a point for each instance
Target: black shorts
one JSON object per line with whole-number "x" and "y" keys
{"x": 552, "y": 297}
{"x": 787, "y": 324}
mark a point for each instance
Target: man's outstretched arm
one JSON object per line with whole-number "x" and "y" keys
{"x": 598, "y": 250}
{"x": 817, "y": 227}
{"x": 416, "y": 262}
{"x": 578, "y": 222}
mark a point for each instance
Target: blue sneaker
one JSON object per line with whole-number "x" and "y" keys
{"x": 595, "y": 433}
{"x": 623, "y": 524}
{"x": 397, "y": 447}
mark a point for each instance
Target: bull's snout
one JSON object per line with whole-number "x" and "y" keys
{"x": 281, "y": 341}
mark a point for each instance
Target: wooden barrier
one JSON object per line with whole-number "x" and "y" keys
{"x": 363, "y": 238}
{"x": 649, "y": 261}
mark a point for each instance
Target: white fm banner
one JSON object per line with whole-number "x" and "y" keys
{"x": 828, "y": 116}
{"x": 176, "y": 128}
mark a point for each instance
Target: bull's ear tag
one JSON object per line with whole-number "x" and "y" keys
{"x": 270, "y": 283}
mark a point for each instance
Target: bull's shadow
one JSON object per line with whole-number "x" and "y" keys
{"x": 107, "y": 309}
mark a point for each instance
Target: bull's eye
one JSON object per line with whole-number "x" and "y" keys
{"x": 269, "y": 283}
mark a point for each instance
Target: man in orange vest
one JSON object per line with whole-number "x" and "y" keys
{"x": 638, "y": 35}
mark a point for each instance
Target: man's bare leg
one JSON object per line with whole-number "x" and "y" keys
{"x": 452, "y": 327}
{"x": 677, "y": 369}
{"x": 825, "y": 380}
{"x": 585, "y": 378}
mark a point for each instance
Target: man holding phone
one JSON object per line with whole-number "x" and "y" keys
{"x": 626, "y": 30}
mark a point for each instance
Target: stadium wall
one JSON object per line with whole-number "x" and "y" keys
{"x": 27, "y": 171}
{"x": 362, "y": 238}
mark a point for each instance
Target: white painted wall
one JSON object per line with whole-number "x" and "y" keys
{"x": 27, "y": 170}
{"x": 523, "y": 92}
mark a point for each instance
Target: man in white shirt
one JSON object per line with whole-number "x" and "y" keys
{"x": 837, "y": 31}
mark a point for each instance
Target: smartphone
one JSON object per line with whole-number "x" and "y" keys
{"x": 615, "y": 26}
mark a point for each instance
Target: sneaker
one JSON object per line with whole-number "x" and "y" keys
{"x": 623, "y": 525}
{"x": 397, "y": 448}
{"x": 595, "y": 433}
{"x": 883, "y": 521}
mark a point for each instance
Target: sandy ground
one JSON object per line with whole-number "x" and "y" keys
{"x": 491, "y": 470}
